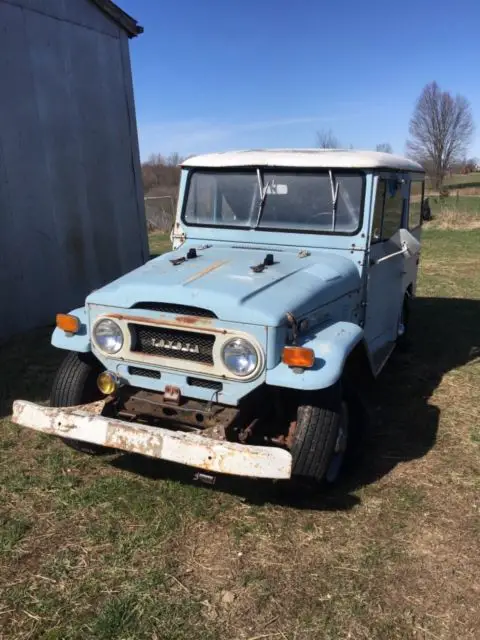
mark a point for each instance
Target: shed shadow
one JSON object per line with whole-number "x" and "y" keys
{"x": 28, "y": 364}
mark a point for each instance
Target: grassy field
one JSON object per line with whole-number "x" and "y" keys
{"x": 455, "y": 212}
{"x": 459, "y": 179}
{"x": 120, "y": 547}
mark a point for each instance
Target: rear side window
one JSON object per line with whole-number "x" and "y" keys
{"x": 415, "y": 204}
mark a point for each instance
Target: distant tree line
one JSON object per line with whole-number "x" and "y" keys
{"x": 326, "y": 139}
{"x": 441, "y": 130}
{"x": 161, "y": 172}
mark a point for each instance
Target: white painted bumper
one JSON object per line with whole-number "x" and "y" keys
{"x": 185, "y": 448}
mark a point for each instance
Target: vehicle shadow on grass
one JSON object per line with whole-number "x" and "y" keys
{"x": 401, "y": 424}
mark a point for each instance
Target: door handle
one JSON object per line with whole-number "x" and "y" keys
{"x": 402, "y": 252}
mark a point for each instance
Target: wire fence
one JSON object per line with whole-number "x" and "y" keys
{"x": 160, "y": 212}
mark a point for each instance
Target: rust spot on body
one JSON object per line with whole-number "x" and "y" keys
{"x": 206, "y": 270}
{"x": 126, "y": 439}
{"x": 193, "y": 320}
{"x": 180, "y": 321}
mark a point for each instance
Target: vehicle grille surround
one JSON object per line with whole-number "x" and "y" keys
{"x": 172, "y": 343}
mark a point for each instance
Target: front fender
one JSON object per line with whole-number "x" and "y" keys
{"x": 80, "y": 341}
{"x": 332, "y": 347}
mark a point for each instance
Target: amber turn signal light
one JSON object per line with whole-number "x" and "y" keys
{"x": 298, "y": 357}
{"x": 69, "y": 324}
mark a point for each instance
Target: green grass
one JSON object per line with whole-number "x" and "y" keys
{"x": 462, "y": 204}
{"x": 159, "y": 243}
{"x": 459, "y": 179}
{"x": 121, "y": 547}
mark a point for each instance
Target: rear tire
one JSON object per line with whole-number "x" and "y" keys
{"x": 76, "y": 383}
{"x": 403, "y": 337}
{"x": 320, "y": 438}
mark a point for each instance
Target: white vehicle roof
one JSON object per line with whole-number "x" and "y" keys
{"x": 305, "y": 158}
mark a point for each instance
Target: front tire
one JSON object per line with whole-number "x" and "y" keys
{"x": 320, "y": 438}
{"x": 76, "y": 383}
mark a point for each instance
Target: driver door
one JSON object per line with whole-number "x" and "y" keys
{"x": 386, "y": 268}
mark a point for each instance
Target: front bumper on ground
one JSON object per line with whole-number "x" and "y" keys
{"x": 80, "y": 423}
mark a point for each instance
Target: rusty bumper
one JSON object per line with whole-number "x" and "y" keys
{"x": 184, "y": 448}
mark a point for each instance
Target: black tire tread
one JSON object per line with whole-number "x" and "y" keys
{"x": 71, "y": 384}
{"x": 75, "y": 384}
{"x": 403, "y": 342}
{"x": 315, "y": 437}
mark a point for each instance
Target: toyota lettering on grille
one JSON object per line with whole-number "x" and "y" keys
{"x": 174, "y": 345}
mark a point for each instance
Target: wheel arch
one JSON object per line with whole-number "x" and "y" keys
{"x": 339, "y": 345}
{"x": 358, "y": 365}
{"x": 80, "y": 341}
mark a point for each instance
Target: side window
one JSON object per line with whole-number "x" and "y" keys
{"x": 393, "y": 210}
{"x": 378, "y": 211}
{"x": 415, "y": 204}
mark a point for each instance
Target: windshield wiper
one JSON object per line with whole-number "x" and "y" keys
{"x": 334, "y": 189}
{"x": 263, "y": 196}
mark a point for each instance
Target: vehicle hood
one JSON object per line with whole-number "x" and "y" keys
{"x": 221, "y": 279}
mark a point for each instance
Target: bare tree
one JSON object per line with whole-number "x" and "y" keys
{"x": 159, "y": 172}
{"x": 441, "y": 130}
{"x": 327, "y": 140}
{"x": 173, "y": 160}
{"x": 384, "y": 147}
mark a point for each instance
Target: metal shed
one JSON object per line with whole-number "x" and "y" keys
{"x": 71, "y": 199}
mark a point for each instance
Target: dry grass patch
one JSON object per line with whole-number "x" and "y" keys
{"x": 453, "y": 219}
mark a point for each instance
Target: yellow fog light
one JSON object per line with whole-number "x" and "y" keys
{"x": 107, "y": 383}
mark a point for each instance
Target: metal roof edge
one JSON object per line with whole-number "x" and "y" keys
{"x": 129, "y": 24}
{"x": 305, "y": 158}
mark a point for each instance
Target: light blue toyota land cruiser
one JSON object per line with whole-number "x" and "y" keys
{"x": 230, "y": 353}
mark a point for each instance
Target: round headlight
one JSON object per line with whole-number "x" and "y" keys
{"x": 240, "y": 357}
{"x": 108, "y": 336}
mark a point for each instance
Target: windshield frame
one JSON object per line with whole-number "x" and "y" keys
{"x": 362, "y": 174}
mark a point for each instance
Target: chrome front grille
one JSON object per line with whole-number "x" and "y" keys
{"x": 172, "y": 343}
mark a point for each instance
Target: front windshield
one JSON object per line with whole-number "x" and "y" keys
{"x": 295, "y": 201}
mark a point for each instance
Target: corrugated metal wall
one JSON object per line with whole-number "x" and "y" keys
{"x": 71, "y": 201}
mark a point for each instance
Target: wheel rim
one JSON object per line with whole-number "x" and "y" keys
{"x": 340, "y": 448}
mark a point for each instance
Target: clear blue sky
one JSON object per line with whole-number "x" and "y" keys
{"x": 211, "y": 75}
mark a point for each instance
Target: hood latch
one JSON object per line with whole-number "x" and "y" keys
{"x": 267, "y": 262}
